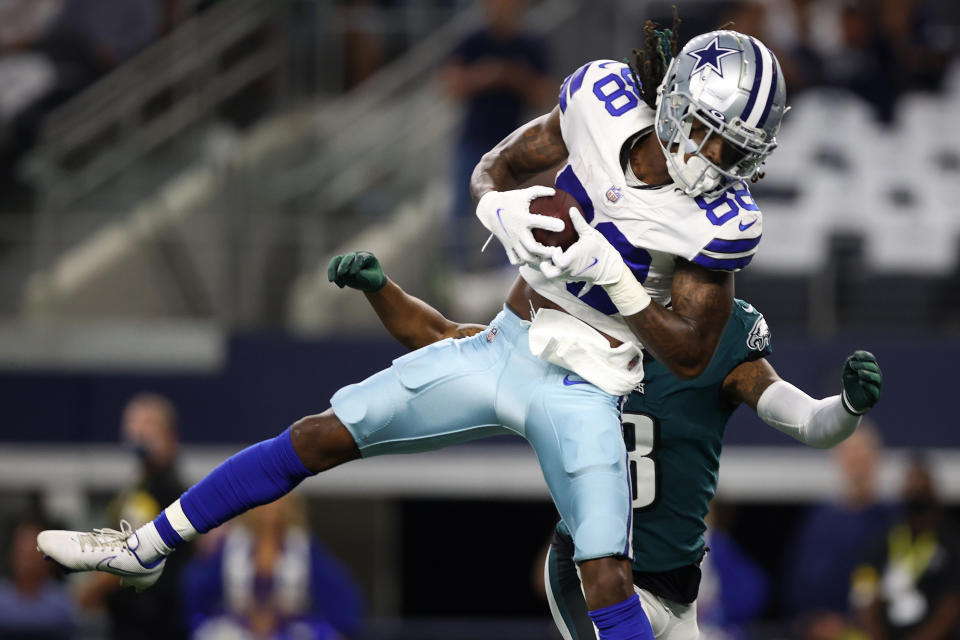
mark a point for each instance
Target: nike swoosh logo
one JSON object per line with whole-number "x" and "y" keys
{"x": 568, "y": 382}
{"x": 146, "y": 565}
{"x": 500, "y": 220}
{"x": 744, "y": 227}
{"x": 595, "y": 261}
{"x": 104, "y": 565}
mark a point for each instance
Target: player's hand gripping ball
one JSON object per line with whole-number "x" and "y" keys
{"x": 556, "y": 206}
{"x": 862, "y": 382}
{"x": 358, "y": 270}
{"x": 506, "y": 214}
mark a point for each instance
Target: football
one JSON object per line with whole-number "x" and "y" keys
{"x": 556, "y": 206}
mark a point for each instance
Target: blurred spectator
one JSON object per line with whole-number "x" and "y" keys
{"x": 832, "y": 538}
{"x": 866, "y": 64}
{"x": 365, "y": 49}
{"x": 49, "y": 51}
{"x": 889, "y": 47}
{"x": 112, "y": 32}
{"x": 174, "y": 12}
{"x": 23, "y": 22}
{"x": 28, "y": 77}
{"x": 150, "y": 429}
{"x": 733, "y": 587}
{"x": 796, "y": 30}
{"x": 920, "y": 39}
{"x": 270, "y": 579}
{"x": 909, "y": 587}
{"x": 876, "y": 48}
{"x": 32, "y": 604}
{"x": 499, "y": 72}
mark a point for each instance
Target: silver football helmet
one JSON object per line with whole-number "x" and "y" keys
{"x": 732, "y": 84}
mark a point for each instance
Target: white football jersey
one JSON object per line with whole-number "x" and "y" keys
{"x": 649, "y": 226}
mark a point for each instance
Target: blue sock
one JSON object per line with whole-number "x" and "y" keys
{"x": 257, "y": 475}
{"x": 623, "y": 621}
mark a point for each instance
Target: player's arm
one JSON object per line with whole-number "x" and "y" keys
{"x": 463, "y": 81}
{"x": 410, "y": 320}
{"x": 819, "y": 423}
{"x": 684, "y": 338}
{"x": 413, "y": 322}
{"x": 531, "y": 149}
{"x": 503, "y": 208}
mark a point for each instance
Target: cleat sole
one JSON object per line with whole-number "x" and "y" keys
{"x": 57, "y": 564}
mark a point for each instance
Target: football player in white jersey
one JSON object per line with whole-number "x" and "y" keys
{"x": 660, "y": 172}
{"x": 678, "y": 218}
{"x": 674, "y": 430}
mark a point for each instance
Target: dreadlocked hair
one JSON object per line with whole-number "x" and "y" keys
{"x": 651, "y": 62}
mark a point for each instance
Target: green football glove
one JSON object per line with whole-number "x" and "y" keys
{"x": 862, "y": 382}
{"x": 358, "y": 270}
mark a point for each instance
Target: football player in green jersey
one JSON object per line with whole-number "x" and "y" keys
{"x": 673, "y": 431}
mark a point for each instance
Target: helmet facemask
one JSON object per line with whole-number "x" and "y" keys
{"x": 744, "y": 148}
{"x": 727, "y": 86}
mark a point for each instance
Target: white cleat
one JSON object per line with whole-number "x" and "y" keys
{"x": 106, "y": 550}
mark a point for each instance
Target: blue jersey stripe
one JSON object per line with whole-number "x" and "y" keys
{"x": 577, "y": 78}
{"x": 569, "y": 182}
{"x": 757, "y": 74}
{"x": 732, "y": 246}
{"x": 167, "y": 533}
{"x": 773, "y": 91}
{"x": 726, "y": 265}
{"x": 563, "y": 94}
{"x": 636, "y": 258}
{"x": 628, "y": 550}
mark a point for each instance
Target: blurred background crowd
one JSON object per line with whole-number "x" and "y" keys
{"x": 175, "y": 176}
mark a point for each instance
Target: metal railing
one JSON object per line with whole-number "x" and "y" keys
{"x": 172, "y": 84}
{"x": 297, "y": 185}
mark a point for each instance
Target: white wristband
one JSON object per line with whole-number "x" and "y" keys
{"x": 627, "y": 294}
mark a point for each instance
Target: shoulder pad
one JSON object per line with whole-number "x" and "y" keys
{"x": 739, "y": 227}
{"x": 595, "y": 69}
{"x": 600, "y": 99}
{"x": 754, "y": 326}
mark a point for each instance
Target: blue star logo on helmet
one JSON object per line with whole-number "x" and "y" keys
{"x": 710, "y": 56}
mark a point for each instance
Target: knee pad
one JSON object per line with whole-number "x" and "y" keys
{"x": 364, "y": 408}
{"x": 601, "y": 536}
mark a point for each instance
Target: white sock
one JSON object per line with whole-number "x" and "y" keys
{"x": 151, "y": 544}
{"x": 178, "y": 520}
{"x": 150, "y": 547}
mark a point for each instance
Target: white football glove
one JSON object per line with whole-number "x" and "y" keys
{"x": 591, "y": 259}
{"x": 506, "y": 214}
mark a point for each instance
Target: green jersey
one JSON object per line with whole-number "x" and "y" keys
{"x": 674, "y": 432}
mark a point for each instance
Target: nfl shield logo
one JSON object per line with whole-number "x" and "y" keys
{"x": 613, "y": 194}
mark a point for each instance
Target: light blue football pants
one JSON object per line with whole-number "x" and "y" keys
{"x": 490, "y": 384}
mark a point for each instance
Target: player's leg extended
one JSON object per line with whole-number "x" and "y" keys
{"x": 257, "y": 475}
{"x": 575, "y": 431}
{"x": 668, "y": 620}
{"x": 426, "y": 400}
{"x": 564, "y": 591}
{"x": 439, "y": 395}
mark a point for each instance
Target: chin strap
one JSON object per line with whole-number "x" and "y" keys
{"x": 694, "y": 176}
